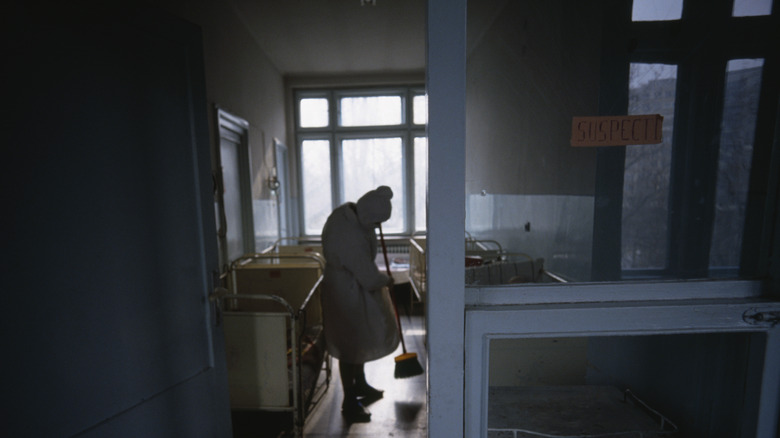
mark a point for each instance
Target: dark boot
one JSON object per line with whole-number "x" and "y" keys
{"x": 363, "y": 390}
{"x": 352, "y": 410}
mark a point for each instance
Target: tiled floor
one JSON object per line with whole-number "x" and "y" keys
{"x": 402, "y": 410}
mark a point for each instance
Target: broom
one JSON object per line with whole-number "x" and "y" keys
{"x": 406, "y": 365}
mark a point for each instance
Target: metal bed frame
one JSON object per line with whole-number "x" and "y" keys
{"x": 283, "y": 326}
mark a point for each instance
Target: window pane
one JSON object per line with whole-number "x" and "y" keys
{"x": 420, "y": 181}
{"x": 647, "y": 171}
{"x": 232, "y": 198}
{"x": 370, "y": 111}
{"x": 737, "y": 130}
{"x": 656, "y": 10}
{"x": 368, "y": 163}
{"x": 749, "y": 8}
{"x": 420, "y": 108}
{"x": 314, "y": 113}
{"x": 317, "y": 203}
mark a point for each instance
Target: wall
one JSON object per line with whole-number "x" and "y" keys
{"x": 558, "y": 229}
{"x": 532, "y": 65}
{"x": 529, "y": 71}
{"x": 241, "y": 80}
{"x": 699, "y": 381}
{"x": 113, "y": 334}
{"x": 704, "y": 383}
{"x": 538, "y": 361}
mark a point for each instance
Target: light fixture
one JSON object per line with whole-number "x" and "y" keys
{"x": 273, "y": 182}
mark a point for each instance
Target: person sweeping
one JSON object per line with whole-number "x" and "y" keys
{"x": 358, "y": 316}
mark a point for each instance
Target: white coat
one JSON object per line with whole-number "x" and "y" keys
{"x": 358, "y": 316}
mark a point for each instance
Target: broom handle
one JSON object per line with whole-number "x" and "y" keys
{"x": 392, "y": 294}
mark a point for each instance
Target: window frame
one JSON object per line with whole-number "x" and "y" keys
{"x": 701, "y": 81}
{"x": 233, "y": 130}
{"x": 661, "y": 305}
{"x": 334, "y": 133}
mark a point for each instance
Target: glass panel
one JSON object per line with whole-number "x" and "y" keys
{"x": 317, "y": 198}
{"x": 369, "y": 163}
{"x": 647, "y": 170}
{"x": 740, "y": 106}
{"x": 420, "y": 181}
{"x": 749, "y": 8}
{"x": 568, "y": 386}
{"x": 232, "y": 198}
{"x": 420, "y": 108}
{"x": 370, "y": 111}
{"x": 314, "y": 113}
{"x": 265, "y": 215}
{"x": 656, "y": 10}
{"x": 529, "y": 190}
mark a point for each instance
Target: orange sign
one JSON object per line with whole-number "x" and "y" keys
{"x": 616, "y": 130}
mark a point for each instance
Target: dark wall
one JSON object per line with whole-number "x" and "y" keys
{"x": 109, "y": 245}
{"x": 701, "y": 382}
{"x": 532, "y": 65}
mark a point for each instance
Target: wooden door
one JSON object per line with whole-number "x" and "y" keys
{"x": 110, "y": 250}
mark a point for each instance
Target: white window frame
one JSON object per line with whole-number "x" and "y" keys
{"x": 334, "y": 134}
{"x": 506, "y": 314}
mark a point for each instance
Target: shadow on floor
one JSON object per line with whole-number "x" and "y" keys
{"x": 259, "y": 424}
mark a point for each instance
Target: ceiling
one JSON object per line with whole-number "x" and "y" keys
{"x": 325, "y": 37}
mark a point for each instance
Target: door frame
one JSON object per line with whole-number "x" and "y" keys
{"x": 234, "y": 129}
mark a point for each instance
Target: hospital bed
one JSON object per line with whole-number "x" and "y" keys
{"x": 417, "y": 268}
{"x": 273, "y": 334}
{"x": 397, "y": 249}
{"x": 295, "y": 245}
{"x": 486, "y": 263}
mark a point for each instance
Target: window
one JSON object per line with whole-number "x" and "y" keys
{"x": 647, "y": 170}
{"x": 352, "y": 141}
{"x": 692, "y": 206}
{"x": 656, "y": 10}
{"x": 316, "y": 176}
{"x": 737, "y": 134}
{"x": 314, "y": 112}
{"x": 751, "y": 8}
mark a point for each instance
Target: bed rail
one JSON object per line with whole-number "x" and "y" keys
{"x": 301, "y": 241}
{"x": 248, "y": 258}
{"x": 417, "y": 269}
{"x": 303, "y": 396}
{"x": 295, "y": 408}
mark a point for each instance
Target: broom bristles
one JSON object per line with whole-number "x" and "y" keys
{"x": 407, "y": 365}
